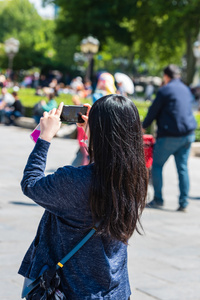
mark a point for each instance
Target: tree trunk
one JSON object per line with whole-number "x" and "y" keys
{"x": 191, "y": 60}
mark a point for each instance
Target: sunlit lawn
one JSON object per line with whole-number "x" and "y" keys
{"x": 29, "y": 99}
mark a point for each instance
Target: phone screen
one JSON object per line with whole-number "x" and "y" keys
{"x": 72, "y": 113}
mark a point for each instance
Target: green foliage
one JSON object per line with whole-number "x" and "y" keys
{"x": 171, "y": 27}
{"x": 113, "y": 54}
{"x": 20, "y": 20}
{"x": 197, "y": 117}
{"x": 149, "y": 34}
{"x": 64, "y": 51}
{"x": 197, "y": 132}
{"x": 39, "y": 46}
{"x": 197, "y": 135}
{"x": 156, "y": 32}
{"x": 142, "y": 108}
{"x": 99, "y": 18}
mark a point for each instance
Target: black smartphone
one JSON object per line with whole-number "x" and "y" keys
{"x": 72, "y": 113}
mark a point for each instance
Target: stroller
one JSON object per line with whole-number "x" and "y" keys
{"x": 148, "y": 142}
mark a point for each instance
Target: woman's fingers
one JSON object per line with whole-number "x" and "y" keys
{"x": 45, "y": 114}
{"x": 52, "y": 112}
{"x": 59, "y": 110}
{"x": 50, "y": 123}
{"x": 85, "y": 118}
{"x": 88, "y": 108}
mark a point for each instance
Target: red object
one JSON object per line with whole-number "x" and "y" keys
{"x": 148, "y": 141}
{"x": 82, "y": 137}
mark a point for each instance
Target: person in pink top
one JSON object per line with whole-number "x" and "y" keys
{"x": 82, "y": 157}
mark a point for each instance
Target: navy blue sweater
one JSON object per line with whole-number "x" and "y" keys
{"x": 96, "y": 271}
{"x": 172, "y": 109}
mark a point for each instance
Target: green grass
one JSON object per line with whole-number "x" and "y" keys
{"x": 197, "y": 117}
{"x": 197, "y": 131}
{"x": 29, "y": 99}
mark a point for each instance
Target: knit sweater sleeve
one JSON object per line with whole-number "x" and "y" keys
{"x": 54, "y": 192}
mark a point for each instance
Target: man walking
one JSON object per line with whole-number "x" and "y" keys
{"x": 172, "y": 111}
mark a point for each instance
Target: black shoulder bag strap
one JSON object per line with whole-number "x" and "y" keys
{"x": 35, "y": 283}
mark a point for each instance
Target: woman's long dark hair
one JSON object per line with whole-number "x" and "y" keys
{"x": 119, "y": 183}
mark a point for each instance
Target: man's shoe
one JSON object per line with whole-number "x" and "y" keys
{"x": 182, "y": 209}
{"x": 154, "y": 204}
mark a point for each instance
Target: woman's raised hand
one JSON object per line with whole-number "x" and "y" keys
{"x": 50, "y": 123}
{"x": 85, "y": 117}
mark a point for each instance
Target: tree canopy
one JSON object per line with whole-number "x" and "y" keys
{"x": 19, "y": 19}
{"x": 163, "y": 31}
{"x": 39, "y": 45}
{"x": 149, "y": 34}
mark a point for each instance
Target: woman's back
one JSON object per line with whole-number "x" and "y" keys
{"x": 99, "y": 269}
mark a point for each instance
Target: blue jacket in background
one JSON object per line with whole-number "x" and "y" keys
{"x": 172, "y": 109}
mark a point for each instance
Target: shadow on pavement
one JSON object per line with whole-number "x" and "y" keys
{"x": 23, "y": 203}
{"x": 160, "y": 209}
{"x": 194, "y": 198}
{"x": 50, "y": 170}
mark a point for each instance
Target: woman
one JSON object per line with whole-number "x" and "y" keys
{"x": 105, "y": 86}
{"x": 111, "y": 189}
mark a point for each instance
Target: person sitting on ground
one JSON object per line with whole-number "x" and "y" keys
{"x": 77, "y": 85}
{"x": 43, "y": 106}
{"x": 16, "y": 110}
{"x": 6, "y": 100}
{"x": 76, "y": 100}
{"x": 39, "y": 91}
{"x": 47, "y": 106}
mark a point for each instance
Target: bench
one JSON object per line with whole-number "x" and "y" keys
{"x": 195, "y": 149}
{"x": 66, "y": 131}
{"x": 25, "y": 122}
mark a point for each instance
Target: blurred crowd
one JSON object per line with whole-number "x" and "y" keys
{"x": 157, "y": 92}
{"x": 54, "y": 84}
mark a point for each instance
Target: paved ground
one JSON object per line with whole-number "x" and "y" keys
{"x": 164, "y": 263}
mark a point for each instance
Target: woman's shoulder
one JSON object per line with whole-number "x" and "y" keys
{"x": 78, "y": 173}
{"x": 87, "y": 168}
